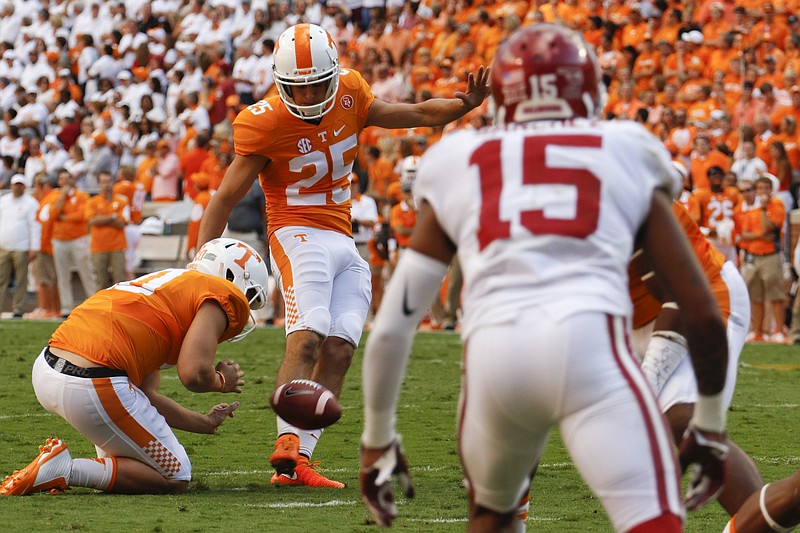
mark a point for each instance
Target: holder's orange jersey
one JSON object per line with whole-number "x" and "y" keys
{"x": 306, "y": 181}
{"x": 646, "y": 307}
{"x": 138, "y": 326}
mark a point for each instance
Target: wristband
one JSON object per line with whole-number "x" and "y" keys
{"x": 710, "y": 413}
{"x": 222, "y": 381}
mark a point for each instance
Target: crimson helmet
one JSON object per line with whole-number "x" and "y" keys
{"x": 305, "y": 54}
{"x": 545, "y": 71}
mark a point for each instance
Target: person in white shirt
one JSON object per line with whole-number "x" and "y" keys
{"x": 105, "y": 66}
{"x": 9, "y": 22}
{"x": 20, "y": 238}
{"x": 32, "y": 116}
{"x": 9, "y": 67}
{"x": 749, "y": 166}
{"x": 54, "y": 154}
{"x": 34, "y": 163}
{"x": 244, "y": 73}
{"x": 263, "y": 70}
{"x": 364, "y": 216}
{"x": 36, "y": 68}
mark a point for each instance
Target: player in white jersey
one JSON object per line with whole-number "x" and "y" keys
{"x": 544, "y": 210}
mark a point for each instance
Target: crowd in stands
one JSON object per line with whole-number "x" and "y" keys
{"x": 147, "y": 90}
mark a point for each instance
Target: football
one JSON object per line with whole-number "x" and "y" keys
{"x": 305, "y": 404}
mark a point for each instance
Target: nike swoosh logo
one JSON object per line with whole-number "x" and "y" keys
{"x": 407, "y": 311}
{"x": 294, "y": 392}
{"x": 337, "y": 132}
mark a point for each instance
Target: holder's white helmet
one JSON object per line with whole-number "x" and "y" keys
{"x": 306, "y": 54}
{"x": 240, "y": 264}
{"x": 237, "y": 262}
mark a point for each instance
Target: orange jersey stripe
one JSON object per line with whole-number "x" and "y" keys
{"x": 169, "y": 464}
{"x": 118, "y": 414}
{"x": 302, "y": 46}
{"x": 287, "y": 279}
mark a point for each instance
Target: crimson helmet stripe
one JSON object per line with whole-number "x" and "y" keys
{"x": 302, "y": 46}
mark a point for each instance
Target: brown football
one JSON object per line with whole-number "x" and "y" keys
{"x": 305, "y": 404}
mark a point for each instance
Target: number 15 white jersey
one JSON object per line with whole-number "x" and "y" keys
{"x": 545, "y": 213}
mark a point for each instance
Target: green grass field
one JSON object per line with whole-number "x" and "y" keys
{"x": 231, "y": 492}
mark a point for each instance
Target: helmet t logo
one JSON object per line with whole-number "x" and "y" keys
{"x": 242, "y": 261}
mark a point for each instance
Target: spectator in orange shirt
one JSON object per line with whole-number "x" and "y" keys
{"x": 720, "y": 59}
{"x": 107, "y": 215}
{"x": 772, "y": 76}
{"x": 716, "y": 26}
{"x": 763, "y": 272}
{"x": 700, "y": 110}
{"x": 669, "y": 31}
{"x": 380, "y": 173}
{"x": 792, "y": 110}
{"x": 646, "y": 65}
{"x": 770, "y": 27}
{"x": 747, "y": 108}
{"x": 403, "y": 218}
{"x": 136, "y": 194}
{"x": 769, "y": 102}
{"x": 44, "y": 270}
{"x": 191, "y": 161}
{"x": 787, "y": 134}
{"x": 148, "y": 162}
{"x": 633, "y": 33}
{"x": 71, "y": 249}
{"x": 780, "y": 167}
{"x": 703, "y": 158}
{"x": 201, "y": 182}
{"x": 628, "y": 105}
{"x": 725, "y": 138}
{"x": 683, "y": 134}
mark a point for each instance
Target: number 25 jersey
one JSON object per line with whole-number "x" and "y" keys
{"x": 544, "y": 213}
{"x": 306, "y": 181}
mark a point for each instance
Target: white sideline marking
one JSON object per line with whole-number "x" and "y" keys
{"x": 292, "y": 505}
{"x": 459, "y": 520}
{"x": 27, "y": 415}
{"x": 438, "y": 520}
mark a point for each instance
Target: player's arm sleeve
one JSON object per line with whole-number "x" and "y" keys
{"x": 407, "y": 299}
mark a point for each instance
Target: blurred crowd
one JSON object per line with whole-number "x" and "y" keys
{"x": 146, "y": 92}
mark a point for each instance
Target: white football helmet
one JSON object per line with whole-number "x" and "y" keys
{"x": 408, "y": 169}
{"x": 238, "y": 263}
{"x": 306, "y": 54}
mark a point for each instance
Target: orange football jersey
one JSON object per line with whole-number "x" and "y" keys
{"x": 646, "y": 307}
{"x": 306, "y": 181}
{"x": 710, "y": 208}
{"x": 136, "y": 194}
{"x": 138, "y": 326}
